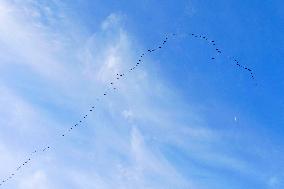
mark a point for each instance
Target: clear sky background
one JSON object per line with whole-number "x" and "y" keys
{"x": 180, "y": 120}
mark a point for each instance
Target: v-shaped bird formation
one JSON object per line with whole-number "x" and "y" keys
{"x": 112, "y": 87}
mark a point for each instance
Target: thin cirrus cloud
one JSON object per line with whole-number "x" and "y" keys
{"x": 26, "y": 42}
{"x": 32, "y": 49}
{"x": 131, "y": 139}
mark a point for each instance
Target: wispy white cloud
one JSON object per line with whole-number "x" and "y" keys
{"x": 27, "y": 42}
{"x": 38, "y": 180}
{"x": 123, "y": 145}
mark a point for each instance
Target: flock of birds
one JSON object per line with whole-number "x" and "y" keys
{"x": 112, "y": 87}
{"x": 235, "y": 61}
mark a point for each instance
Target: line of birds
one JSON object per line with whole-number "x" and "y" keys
{"x": 112, "y": 87}
{"x": 235, "y": 61}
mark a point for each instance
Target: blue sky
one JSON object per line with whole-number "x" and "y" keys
{"x": 180, "y": 120}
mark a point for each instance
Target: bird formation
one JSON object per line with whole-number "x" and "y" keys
{"x": 217, "y": 49}
{"x": 245, "y": 68}
{"x": 112, "y": 87}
